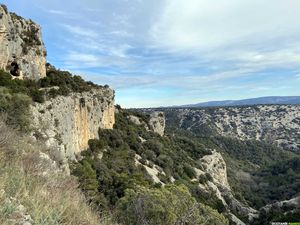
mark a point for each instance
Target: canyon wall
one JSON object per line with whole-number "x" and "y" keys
{"x": 68, "y": 122}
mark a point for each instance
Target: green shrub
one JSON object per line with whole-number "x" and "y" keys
{"x": 26, "y": 87}
{"x": 189, "y": 171}
{"x": 16, "y": 107}
{"x": 5, "y": 79}
{"x": 164, "y": 206}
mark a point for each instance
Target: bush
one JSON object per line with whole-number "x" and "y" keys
{"x": 16, "y": 107}
{"x": 26, "y": 87}
{"x": 189, "y": 171}
{"x": 5, "y": 79}
{"x": 165, "y": 206}
{"x": 65, "y": 82}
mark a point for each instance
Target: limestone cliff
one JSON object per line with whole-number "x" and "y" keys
{"x": 22, "y": 52}
{"x": 67, "y": 123}
{"x": 215, "y": 166}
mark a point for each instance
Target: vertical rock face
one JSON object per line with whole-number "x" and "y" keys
{"x": 22, "y": 52}
{"x": 68, "y": 122}
{"x": 216, "y": 167}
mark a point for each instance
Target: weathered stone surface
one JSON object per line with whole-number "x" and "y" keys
{"x": 157, "y": 122}
{"x": 153, "y": 171}
{"x": 134, "y": 119}
{"x": 282, "y": 206}
{"x": 215, "y": 165}
{"x": 21, "y": 44}
{"x": 68, "y": 122}
{"x": 235, "y": 220}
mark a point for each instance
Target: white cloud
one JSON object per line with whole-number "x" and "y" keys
{"x": 81, "y": 31}
{"x": 206, "y": 49}
{"x": 74, "y": 60}
{"x": 206, "y": 25}
{"x": 57, "y": 12}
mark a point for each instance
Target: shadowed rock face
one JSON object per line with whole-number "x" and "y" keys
{"x": 22, "y": 52}
{"x": 67, "y": 123}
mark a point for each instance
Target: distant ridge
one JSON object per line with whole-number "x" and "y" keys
{"x": 270, "y": 100}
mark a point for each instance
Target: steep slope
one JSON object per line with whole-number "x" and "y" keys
{"x": 68, "y": 122}
{"x": 22, "y": 52}
{"x": 258, "y": 172}
{"x": 276, "y": 124}
{"x": 53, "y": 114}
{"x": 67, "y": 111}
{"x": 33, "y": 190}
{"x": 131, "y": 155}
{"x": 132, "y": 167}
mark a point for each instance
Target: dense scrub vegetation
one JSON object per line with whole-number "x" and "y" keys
{"x": 170, "y": 205}
{"x": 259, "y": 173}
{"x": 16, "y": 107}
{"x": 64, "y": 82}
{"x": 113, "y": 168}
{"x": 55, "y": 83}
{"x": 16, "y": 95}
{"x": 26, "y": 87}
{"x": 278, "y": 215}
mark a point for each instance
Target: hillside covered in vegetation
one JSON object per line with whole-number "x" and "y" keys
{"x": 114, "y": 174}
{"x": 68, "y": 156}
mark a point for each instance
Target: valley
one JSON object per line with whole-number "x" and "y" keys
{"x": 69, "y": 155}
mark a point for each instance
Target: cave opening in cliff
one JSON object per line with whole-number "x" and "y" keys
{"x": 14, "y": 69}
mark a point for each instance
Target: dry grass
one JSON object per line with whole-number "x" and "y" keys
{"x": 49, "y": 197}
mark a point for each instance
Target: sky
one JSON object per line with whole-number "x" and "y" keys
{"x": 174, "y": 52}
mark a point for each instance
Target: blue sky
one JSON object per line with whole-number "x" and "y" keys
{"x": 172, "y": 52}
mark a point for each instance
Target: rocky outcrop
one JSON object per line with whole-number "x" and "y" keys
{"x": 276, "y": 124}
{"x": 67, "y": 123}
{"x": 136, "y": 120}
{"x": 292, "y": 205}
{"x": 156, "y": 123}
{"x": 153, "y": 171}
{"x": 22, "y": 52}
{"x": 215, "y": 166}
